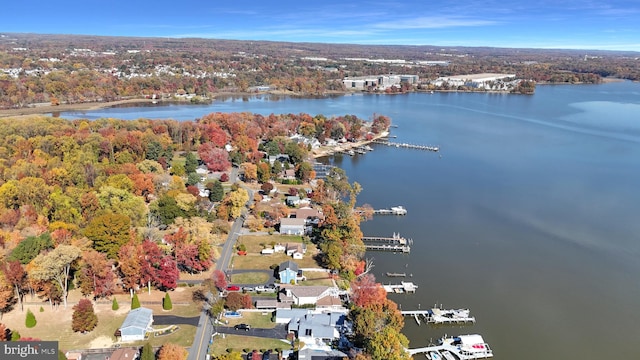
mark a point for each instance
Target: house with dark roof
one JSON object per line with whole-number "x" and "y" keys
{"x": 136, "y": 325}
{"x": 304, "y": 295}
{"x": 288, "y": 272}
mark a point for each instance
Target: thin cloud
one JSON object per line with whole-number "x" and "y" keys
{"x": 436, "y": 22}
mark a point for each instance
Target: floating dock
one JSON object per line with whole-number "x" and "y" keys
{"x": 396, "y": 243}
{"x": 403, "y": 287}
{"x": 392, "y": 274}
{"x": 440, "y": 316}
{"x": 408, "y": 146}
{"x": 463, "y": 347}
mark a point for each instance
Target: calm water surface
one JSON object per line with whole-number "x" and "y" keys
{"x": 528, "y": 215}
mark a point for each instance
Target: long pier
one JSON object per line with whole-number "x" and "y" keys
{"x": 396, "y": 243}
{"x": 408, "y": 146}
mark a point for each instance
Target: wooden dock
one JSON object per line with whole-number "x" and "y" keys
{"x": 408, "y": 146}
{"x": 403, "y": 287}
{"x": 396, "y": 243}
{"x": 392, "y": 274}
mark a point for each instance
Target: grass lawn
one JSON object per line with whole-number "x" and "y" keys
{"x": 239, "y": 343}
{"x": 252, "y": 242}
{"x": 249, "y": 278}
{"x": 55, "y": 324}
{"x": 316, "y": 278}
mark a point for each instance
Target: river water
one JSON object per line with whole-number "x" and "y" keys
{"x": 528, "y": 216}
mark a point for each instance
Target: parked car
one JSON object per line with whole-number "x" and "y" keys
{"x": 247, "y": 288}
{"x": 244, "y": 327}
{"x": 233, "y": 288}
{"x": 260, "y": 288}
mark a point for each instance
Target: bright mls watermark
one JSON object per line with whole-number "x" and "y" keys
{"x": 32, "y": 350}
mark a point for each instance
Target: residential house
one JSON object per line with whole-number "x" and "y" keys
{"x": 73, "y": 355}
{"x": 304, "y": 295}
{"x": 124, "y": 354}
{"x": 288, "y": 272}
{"x": 310, "y": 215}
{"x": 319, "y": 354}
{"x": 293, "y": 200}
{"x": 136, "y": 325}
{"x": 296, "y": 250}
{"x": 292, "y": 226}
{"x": 319, "y": 330}
{"x": 279, "y": 248}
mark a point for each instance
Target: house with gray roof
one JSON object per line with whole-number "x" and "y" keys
{"x": 292, "y": 226}
{"x": 136, "y": 325}
{"x": 288, "y": 272}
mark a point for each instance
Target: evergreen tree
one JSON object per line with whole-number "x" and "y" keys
{"x": 15, "y": 335}
{"x": 147, "y": 352}
{"x": 166, "y": 302}
{"x": 30, "y": 321}
{"x": 61, "y": 356}
{"x": 191, "y": 163}
{"x": 135, "y": 302}
{"x": 114, "y": 304}
{"x": 216, "y": 191}
{"x": 84, "y": 317}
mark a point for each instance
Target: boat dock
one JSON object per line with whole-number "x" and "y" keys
{"x": 396, "y": 210}
{"x": 463, "y": 347}
{"x": 403, "y": 287}
{"x": 408, "y": 146}
{"x": 395, "y": 243}
{"x": 391, "y": 274}
{"x": 440, "y": 316}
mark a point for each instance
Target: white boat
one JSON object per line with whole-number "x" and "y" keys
{"x": 467, "y": 347}
{"x": 398, "y": 210}
{"x": 448, "y": 355}
{"x": 435, "y": 355}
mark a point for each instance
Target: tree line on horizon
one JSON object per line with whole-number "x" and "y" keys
{"x": 51, "y": 72}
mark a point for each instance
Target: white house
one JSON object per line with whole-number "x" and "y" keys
{"x": 136, "y": 324}
{"x": 304, "y": 295}
{"x": 292, "y": 226}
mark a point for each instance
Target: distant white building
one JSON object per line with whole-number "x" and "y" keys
{"x": 136, "y": 324}
{"x": 486, "y": 81}
{"x": 378, "y": 82}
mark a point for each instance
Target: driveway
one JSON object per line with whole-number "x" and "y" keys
{"x": 278, "y": 332}
{"x": 175, "y": 320}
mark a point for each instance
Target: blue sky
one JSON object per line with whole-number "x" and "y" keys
{"x": 569, "y": 24}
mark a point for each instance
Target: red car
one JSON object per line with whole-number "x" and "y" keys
{"x": 233, "y": 288}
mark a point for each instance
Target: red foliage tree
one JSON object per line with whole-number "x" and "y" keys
{"x": 168, "y": 274}
{"x": 219, "y": 279}
{"x": 224, "y": 177}
{"x": 17, "y": 277}
{"x": 193, "y": 190}
{"x": 216, "y": 159}
{"x": 84, "y": 317}
{"x": 367, "y": 292}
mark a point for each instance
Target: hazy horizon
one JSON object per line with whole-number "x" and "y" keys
{"x": 571, "y": 25}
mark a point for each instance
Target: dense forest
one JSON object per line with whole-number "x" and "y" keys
{"x": 71, "y": 69}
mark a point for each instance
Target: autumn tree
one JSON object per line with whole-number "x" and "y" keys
{"x": 170, "y": 351}
{"x": 7, "y": 299}
{"x": 16, "y": 276}
{"x": 366, "y": 291}
{"x": 56, "y": 266}
{"x": 219, "y": 279}
{"x": 84, "y": 317}
{"x": 237, "y": 300}
{"x": 216, "y": 159}
{"x": 109, "y": 233}
{"x": 96, "y": 274}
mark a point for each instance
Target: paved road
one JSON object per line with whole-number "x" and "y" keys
{"x": 205, "y": 329}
